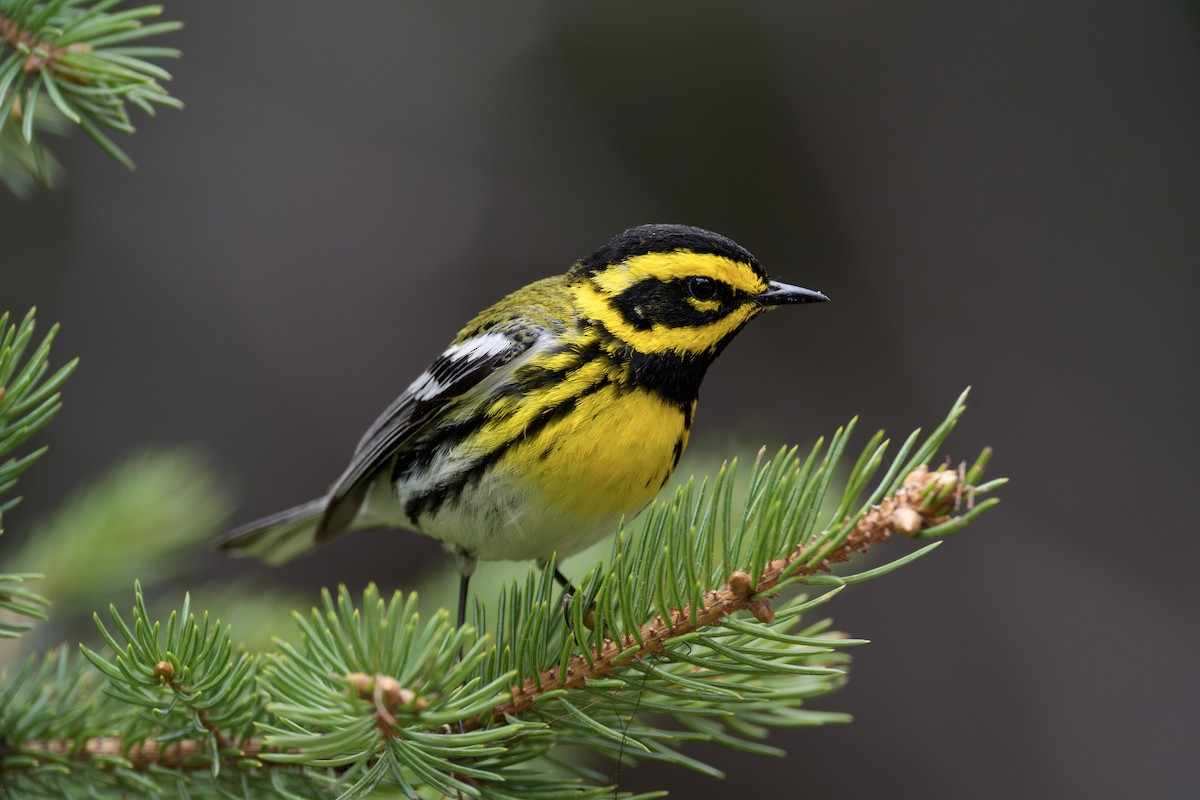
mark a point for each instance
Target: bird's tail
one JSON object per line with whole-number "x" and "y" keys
{"x": 280, "y": 537}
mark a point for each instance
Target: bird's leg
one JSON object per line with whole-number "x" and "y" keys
{"x": 466, "y": 568}
{"x": 569, "y": 591}
{"x": 564, "y": 582}
{"x": 464, "y": 581}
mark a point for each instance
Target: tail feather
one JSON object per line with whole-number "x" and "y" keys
{"x": 280, "y": 537}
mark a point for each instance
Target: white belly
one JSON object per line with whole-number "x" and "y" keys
{"x": 496, "y": 520}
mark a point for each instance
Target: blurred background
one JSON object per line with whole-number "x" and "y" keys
{"x": 1001, "y": 195}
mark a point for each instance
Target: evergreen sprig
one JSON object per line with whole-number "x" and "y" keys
{"x": 692, "y": 630}
{"x": 83, "y": 59}
{"x": 189, "y": 676}
{"x": 29, "y": 398}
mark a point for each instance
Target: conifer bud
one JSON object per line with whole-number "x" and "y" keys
{"x": 360, "y": 683}
{"x": 739, "y": 583}
{"x": 907, "y": 520}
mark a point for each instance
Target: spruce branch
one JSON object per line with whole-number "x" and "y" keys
{"x": 77, "y": 61}
{"x": 29, "y": 398}
{"x": 913, "y": 509}
{"x": 697, "y": 634}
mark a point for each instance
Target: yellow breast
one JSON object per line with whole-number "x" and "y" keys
{"x": 607, "y": 458}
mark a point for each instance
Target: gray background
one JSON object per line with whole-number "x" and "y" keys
{"x": 996, "y": 194}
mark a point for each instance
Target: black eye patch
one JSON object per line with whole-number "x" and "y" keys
{"x": 651, "y": 302}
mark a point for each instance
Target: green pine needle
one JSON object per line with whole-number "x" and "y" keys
{"x": 77, "y": 55}
{"x": 29, "y": 398}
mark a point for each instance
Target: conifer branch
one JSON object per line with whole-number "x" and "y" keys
{"x": 75, "y": 61}
{"x": 29, "y": 398}
{"x": 915, "y": 507}
{"x": 190, "y": 754}
{"x": 925, "y": 500}
{"x": 693, "y": 636}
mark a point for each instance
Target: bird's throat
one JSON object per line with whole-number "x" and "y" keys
{"x": 674, "y": 378}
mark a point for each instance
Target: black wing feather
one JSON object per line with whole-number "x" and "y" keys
{"x": 455, "y": 373}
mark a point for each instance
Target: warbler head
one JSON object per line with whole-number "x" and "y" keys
{"x": 677, "y": 291}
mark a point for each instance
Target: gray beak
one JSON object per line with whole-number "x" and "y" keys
{"x": 782, "y": 294}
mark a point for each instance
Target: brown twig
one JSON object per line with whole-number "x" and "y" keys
{"x": 184, "y": 754}
{"x": 384, "y": 691}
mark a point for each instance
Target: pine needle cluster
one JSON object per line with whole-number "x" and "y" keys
{"x": 29, "y": 398}
{"x": 65, "y": 62}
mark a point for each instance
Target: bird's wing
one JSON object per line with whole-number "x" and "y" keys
{"x": 455, "y": 372}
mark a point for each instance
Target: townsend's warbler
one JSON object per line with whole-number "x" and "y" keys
{"x": 553, "y": 414}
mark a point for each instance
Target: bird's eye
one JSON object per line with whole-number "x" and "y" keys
{"x": 702, "y": 288}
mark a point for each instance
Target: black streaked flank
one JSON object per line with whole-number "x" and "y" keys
{"x": 404, "y": 419}
{"x": 430, "y": 501}
{"x": 425, "y": 451}
{"x": 664, "y": 239}
{"x": 676, "y": 453}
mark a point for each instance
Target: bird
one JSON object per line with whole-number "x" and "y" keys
{"x": 553, "y": 415}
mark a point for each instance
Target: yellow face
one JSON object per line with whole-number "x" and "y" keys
{"x": 680, "y": 301}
